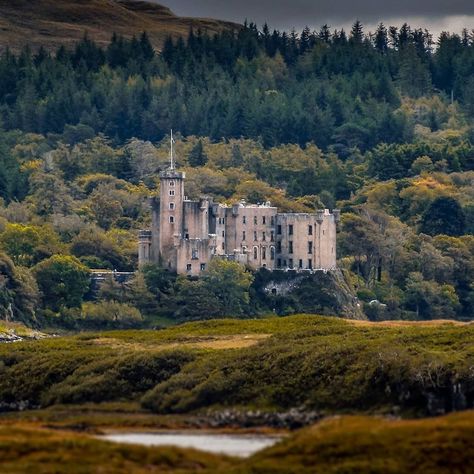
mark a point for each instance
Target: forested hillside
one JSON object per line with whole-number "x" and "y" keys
{"x": 379, "y": 125}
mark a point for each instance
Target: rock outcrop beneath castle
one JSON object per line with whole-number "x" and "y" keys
{"x": 321, "y": 292}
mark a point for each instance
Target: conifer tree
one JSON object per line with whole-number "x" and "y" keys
{"x": 197, "y": 156}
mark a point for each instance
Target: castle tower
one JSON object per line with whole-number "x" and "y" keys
{"x": 171, "y": 212}
{"x": 144, "y": 247}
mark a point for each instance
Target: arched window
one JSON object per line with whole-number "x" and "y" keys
{"x": 172, "y": 184}
{"x": 255, "y": 253}
{"x": 272, "y": 253}
{"x": 264, "y": 253}
{"x": 171, "y": 206}
{"x": 171, "y": 219}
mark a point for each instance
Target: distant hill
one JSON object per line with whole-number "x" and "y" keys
{"x": 50, "y": 23}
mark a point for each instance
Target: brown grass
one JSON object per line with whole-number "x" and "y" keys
{"x": 432, "y": 323}
{"x": 235, "y": 341}
{"x": 349, "y": 445}
{"x": 51, "y": 23}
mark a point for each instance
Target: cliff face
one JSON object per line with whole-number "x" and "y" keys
{"x": 50, "y": 23}
{"x": 320, "y": 293}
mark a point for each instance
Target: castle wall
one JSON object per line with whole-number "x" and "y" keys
{"x": 251, "y": 230}
{"x": 155, "y": 230}
{"x": 306, "y": 241}
{"x": 218, "y": 227}
{"x": 194, "y": 255}
{"x": 196, "y": 219}
{"x": 327, "y": 243}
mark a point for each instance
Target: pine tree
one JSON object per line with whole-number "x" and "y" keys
{"x": 197, "y": 156}
{"x": 381, "y": 39}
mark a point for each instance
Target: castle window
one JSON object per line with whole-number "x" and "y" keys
{"x": 223, "y": 233}
{"x": 264, "y": 220}
{"x": 172, "y": 183}
{"x": 290, "y": 263}
{"x": 290, "y": 246}
{"x": 171, "y": 219}
{"x": 290, "y": 229}
{"x": 255, "y": 236}
{"x": 323, "y": 232}
{"x": 255, "y": 220}
{"x": 310, "y": 247}
{"x": 279, "y": 263}
{"x": 172, "y": 192}
{"x": 310, "y": 230}
{"x": 272, "y": 236}
{"x": 244, "y": 220}
{"x": 243, "y": 235}
{"x": 264, "y": 253}
{"x": 279, "y": 247}
{"x": 310, "y": 264}
{"x": 255, "y": 253}
{"x": 264, "y": 236}
{"x": 272, "y": 220}
{"x": 300, "y": 265}
{"x": 195, "y": 254}
{"x": 203, "y": 267}
{"x": 189, "y": 267}
{"x": 223, "y": 246}
{"x": 171, "y": 206}
{"x": 272, "y": 253}
{"x": 279, "y": 230}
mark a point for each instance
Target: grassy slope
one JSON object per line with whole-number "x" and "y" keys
{"x": 368, "y": 445}
{"x": 51, "y": 23}
{"x": 342, "y": 445}
{"x": 321, "y": 363}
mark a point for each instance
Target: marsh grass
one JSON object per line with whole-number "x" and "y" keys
{"x": 349, "y": 445}
{"x": 274, "y": 364}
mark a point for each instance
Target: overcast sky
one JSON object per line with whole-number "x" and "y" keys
{"x": 437, "y": 15}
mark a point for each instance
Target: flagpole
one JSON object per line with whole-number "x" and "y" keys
{"x": 171, "y": 151}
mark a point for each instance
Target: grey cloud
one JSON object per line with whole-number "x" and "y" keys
{"x": 289, "y": 13}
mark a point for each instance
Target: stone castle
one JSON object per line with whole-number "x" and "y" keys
{"x": 186, "y": 235}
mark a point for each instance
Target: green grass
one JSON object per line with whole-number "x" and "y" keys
{"x": 318, "y": 363}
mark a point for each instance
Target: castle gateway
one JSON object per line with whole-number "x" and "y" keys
{"x": 186, "y": 235}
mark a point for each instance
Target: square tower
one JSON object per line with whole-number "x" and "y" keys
{"x": 171, "y": 216}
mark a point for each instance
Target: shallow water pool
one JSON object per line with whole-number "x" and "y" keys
{"x": 240, "y": 445}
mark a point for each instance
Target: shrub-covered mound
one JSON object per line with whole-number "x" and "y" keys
{"x": 368, "y": 445}
{"x": 306, "y": 362}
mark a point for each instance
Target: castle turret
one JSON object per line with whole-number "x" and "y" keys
{"x": 144, "y": 247}
{"x": 171, "y": 212}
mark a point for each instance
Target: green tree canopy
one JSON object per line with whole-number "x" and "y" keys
{"x": 444, "y": 216}
{"x": 63, "y": 281}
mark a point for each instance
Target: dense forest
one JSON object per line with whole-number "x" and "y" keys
{"x": 380, "y": 125}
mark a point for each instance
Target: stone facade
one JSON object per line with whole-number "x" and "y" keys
{"x": 186, "y": 234}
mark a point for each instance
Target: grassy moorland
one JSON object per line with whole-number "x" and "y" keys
{"x": 312, "y": 363}
{"x": 50, "y": 23}
{"x": 340, "y": 445}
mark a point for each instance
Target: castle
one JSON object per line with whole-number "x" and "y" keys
{"x": 186, "y": 235}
